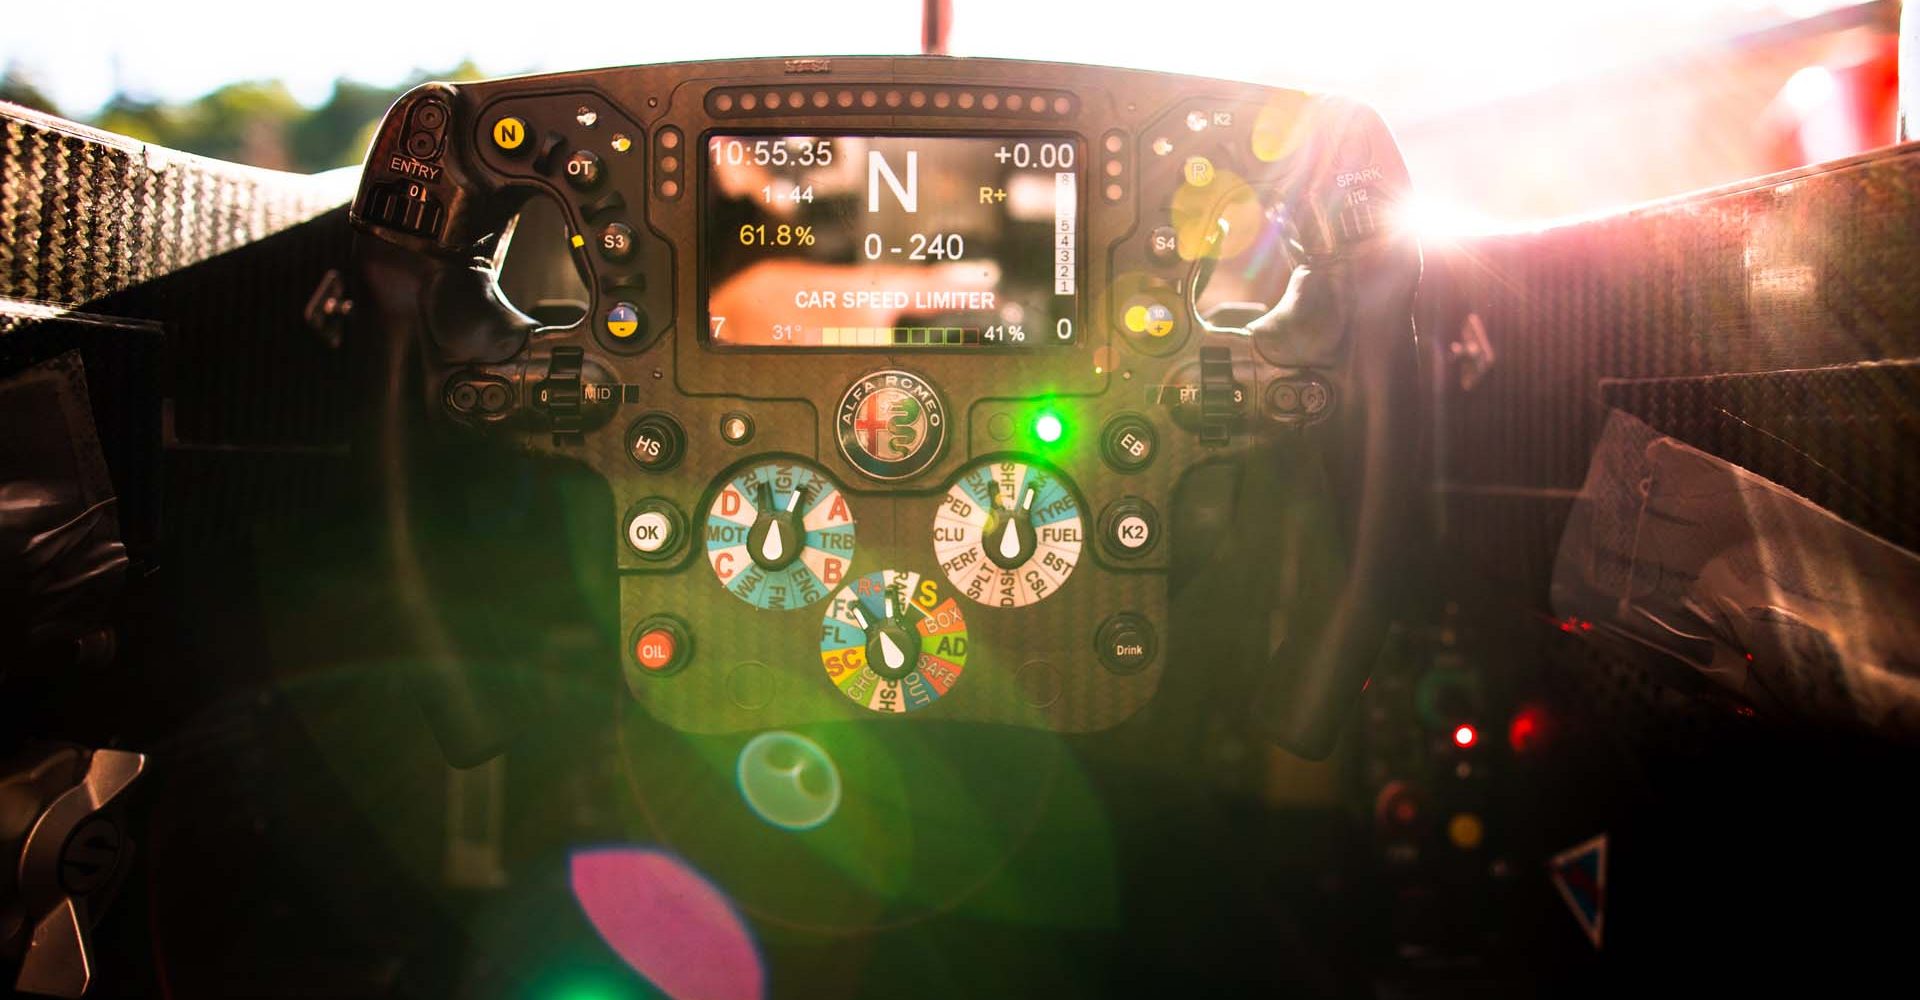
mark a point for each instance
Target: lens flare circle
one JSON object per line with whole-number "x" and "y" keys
{"x": 788, "y": 780}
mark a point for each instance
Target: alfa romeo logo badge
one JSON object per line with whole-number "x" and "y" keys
{"x": 891, "y": 424}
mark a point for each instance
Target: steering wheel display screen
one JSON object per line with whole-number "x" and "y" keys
{"x": 895, "y": 242}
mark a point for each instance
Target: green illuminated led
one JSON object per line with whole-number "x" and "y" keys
{"x": 1048, "y": 428}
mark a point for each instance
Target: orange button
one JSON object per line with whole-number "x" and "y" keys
{"x": 655, "y": 649}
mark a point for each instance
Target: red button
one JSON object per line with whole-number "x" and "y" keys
{"x": 655, "y": 649}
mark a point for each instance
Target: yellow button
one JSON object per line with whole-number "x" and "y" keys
{"x": 509, "y": 133}
{"x": 1199, "y": 171}
{"x": 1466, "y": 831}
{"x": 1151, "y": 318}
{"x": 1159, "y": 320}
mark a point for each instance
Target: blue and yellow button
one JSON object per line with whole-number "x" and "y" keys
{"x": 623, "y": 321}
{"x": 1152, "y": 318}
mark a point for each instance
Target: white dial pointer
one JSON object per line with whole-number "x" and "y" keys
{"x": 891, "y": 652}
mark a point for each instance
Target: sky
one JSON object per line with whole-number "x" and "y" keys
{"x": 1409, "y": 58}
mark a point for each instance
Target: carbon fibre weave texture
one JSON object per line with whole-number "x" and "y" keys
{"x": 85, "y": 214}
{"x": 1776, "y": 325}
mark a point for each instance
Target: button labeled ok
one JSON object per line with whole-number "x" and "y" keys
{"x": 654, "y": 528}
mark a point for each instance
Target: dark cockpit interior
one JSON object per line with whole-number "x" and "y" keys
{"x": 975, "y": 523}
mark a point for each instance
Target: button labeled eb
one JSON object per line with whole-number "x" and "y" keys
{"x": 1129, "y": 443}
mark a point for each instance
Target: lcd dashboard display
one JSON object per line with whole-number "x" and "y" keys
{"x": 897, "y": 242}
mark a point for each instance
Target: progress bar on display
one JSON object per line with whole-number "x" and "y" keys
{"x": 898, "y": 336}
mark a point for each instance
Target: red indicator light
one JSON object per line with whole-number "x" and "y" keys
{"x": 1528, "y": 730}
{"x": 1465, "y": 736}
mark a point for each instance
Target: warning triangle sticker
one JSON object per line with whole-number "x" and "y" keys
{"x": 1580, "y": 873}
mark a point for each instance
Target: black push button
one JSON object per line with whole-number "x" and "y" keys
{"x": 656, "y": 441}
{"x": 583, "y": 170}
{"x": 1125, "y": 643}
{"x": 1129, "y": 443}
{"x": 1164, "y": 245}
{"x": 422, "y": 145}
{"x": 1129, "y": 527}
{"x": 430, "y": 116}
{"x": 616, "y": 241}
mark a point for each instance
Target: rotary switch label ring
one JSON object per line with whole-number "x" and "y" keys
{"x": 891, "y": 424}
{"x": 779, "y": 533}
{"x": 1009, "y": 532}
{"x": 894, "y": 641}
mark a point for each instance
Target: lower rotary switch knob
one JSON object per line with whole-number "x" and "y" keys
{"x": 893, "y": 641}
{"x": 893, "y": 645}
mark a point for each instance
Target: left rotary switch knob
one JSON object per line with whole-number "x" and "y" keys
{"x": 780, "y": 534}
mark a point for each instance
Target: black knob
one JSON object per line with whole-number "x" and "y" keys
{"x": 559, "y": 394}
{"x": 656, "y": 441}
{"x": 893, "y": 649}
{"x": 776, "y": 537}
{"x": 1009, "y": 537}
{"x": 1222, "y": 399}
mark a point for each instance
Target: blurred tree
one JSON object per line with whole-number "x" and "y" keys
{"x": 246, "y": 122}
{"x": 255, "y": 121}
{"x": 337, "y": 133}
{"x": 17, "y": 87}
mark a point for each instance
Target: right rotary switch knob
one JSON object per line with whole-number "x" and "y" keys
{"x": 1009, "y": 533}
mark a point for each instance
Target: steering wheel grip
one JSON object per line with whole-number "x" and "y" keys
{"x": 1362, "y": 487}
{"x": 432, "y": 313}
{"x": 1291, "y": 562}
